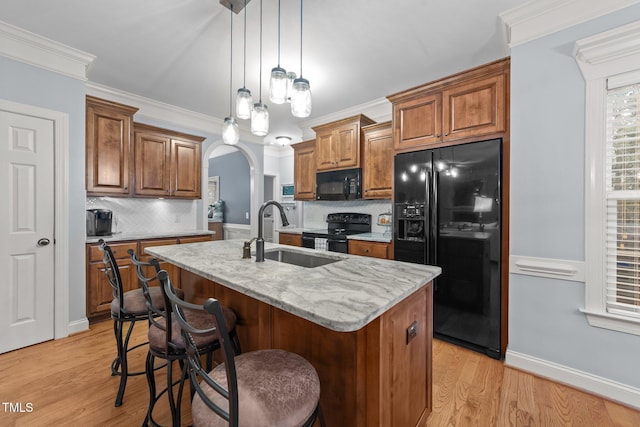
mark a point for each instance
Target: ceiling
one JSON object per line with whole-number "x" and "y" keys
{"x": 354, "y": 52}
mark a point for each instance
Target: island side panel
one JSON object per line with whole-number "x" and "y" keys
{"x": 405, "y": 379}
{"x": 338, "y": 357}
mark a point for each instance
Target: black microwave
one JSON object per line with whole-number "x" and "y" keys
{"x": 339, "y": 185}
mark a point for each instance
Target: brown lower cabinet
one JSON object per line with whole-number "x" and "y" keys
{"x": 292, "y": 239}
{"x": 99, "y": 291}
{"x": 218, "y": 230}
{"x": 373, "y": 249}
{"x": 379, "y": 375}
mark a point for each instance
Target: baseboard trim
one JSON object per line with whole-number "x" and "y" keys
{"x": 78, "y": 326}
{"x": 612, "y": 390}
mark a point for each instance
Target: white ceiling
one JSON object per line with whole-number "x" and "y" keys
{"x": 354, "y": 52}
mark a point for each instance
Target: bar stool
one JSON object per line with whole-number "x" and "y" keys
{"x": 166, "y": 341}
{"x": 261, "y": 388}
{"x": 126, "y": 307}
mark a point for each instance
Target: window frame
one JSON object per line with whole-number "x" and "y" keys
{"x": 600, "y": 57}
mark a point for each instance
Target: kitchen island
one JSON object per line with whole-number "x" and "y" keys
{"x": 364, "y": 323}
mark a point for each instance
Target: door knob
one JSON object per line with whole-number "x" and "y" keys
{"x": 43, "y": 242}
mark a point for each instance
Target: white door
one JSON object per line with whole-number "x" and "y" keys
{"x": 26, "y": 230}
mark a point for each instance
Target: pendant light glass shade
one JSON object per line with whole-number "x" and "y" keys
{"x": 278, "y": 85}
{"x": 230, "y": 131}
{"x": 244, "y": 103}
{"x": 259, "y": 119}
{"x": 301, "y": 98}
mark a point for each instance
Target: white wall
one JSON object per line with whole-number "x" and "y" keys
{"x": 30, "y": 85}
{"x": 547, "y": 212}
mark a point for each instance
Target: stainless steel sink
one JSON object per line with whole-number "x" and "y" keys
{"x": 299, "y": 258}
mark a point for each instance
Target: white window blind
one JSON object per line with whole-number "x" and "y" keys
{"x": 623, "y": 199}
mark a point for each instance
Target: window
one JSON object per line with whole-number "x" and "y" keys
{"x": 622, "y": 193}
{"x": 610, "y": 65}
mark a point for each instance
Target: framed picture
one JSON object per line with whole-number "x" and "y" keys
{"x": 213, "y": 192}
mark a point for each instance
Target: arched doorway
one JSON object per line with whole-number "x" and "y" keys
{"x": 255, "y": 182}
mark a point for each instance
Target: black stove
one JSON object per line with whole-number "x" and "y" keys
{"x": 339, "y": 226}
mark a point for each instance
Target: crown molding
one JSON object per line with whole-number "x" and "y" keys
{"x": 156, "y": 110}
{"x": 32, "y": 49}
{"x": 610, "y": 45}
{"x": 378, "y": 110}
{"x": 539, "y": 18}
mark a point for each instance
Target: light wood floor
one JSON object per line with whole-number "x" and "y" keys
{"x": 68, "y": 383}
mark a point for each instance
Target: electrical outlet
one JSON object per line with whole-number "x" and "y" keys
{"x": 246, "y": 215}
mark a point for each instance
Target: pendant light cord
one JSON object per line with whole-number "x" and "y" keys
{"x": 260, "y": 85}
{"x": 278, "y": 33}
{"x": 301, "y": 38}
{"x": 231, "y": 66}
{"x": 244, "y": 60}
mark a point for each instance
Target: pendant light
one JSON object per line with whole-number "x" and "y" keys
{"x": 230, "y": 131}
{"x": 301, "y": 92}
{"x": 260, "y": 113}
{"x": 244, "y": 100}
{"x": 278, "y": 81}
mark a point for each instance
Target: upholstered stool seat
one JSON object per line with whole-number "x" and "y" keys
{"x": 134, "y": 301}
{"x": 275, "y": 388}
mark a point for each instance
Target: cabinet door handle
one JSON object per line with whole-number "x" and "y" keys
{"x": 366, "y": 251}
{"x": 412, "y": 331}
{"x": 446, "y": 134}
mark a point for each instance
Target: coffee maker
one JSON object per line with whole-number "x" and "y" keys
{"x": 99, "y": 222}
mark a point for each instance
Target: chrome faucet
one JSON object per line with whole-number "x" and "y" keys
{"x": 260, "y": 240}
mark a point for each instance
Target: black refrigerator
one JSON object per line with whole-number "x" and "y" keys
{"x": 447, "y": 212}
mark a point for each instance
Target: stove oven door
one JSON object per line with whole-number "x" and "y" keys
{"x": 338, "y": 245}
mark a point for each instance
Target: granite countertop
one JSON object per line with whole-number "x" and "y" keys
{"x": 119, "y": 237}
{"x": 372, "y": 237}
{"x": 343, "y": 296}
{"x": 292, "y": 230}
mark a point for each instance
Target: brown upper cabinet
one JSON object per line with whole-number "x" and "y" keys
{"x": 338, "y": 143}
{"x": 127, "y": 159}
{"x": 452, "y": 110}
{"x": 108, "y": 145}
{"x": 167, "y": 163}
{"x": 377, "y": 161}
{"x": 304, "y": 170}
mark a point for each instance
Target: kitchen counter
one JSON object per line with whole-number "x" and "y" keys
{"x": 292, "y": 230}
{"x": 371, "y": 237}
{"x": 342, "y": 296}
{"x": 119, "y": 237}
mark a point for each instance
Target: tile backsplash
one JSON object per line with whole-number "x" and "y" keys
{"x": 138, "y": 215}
{"x": 315, "y": 213}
